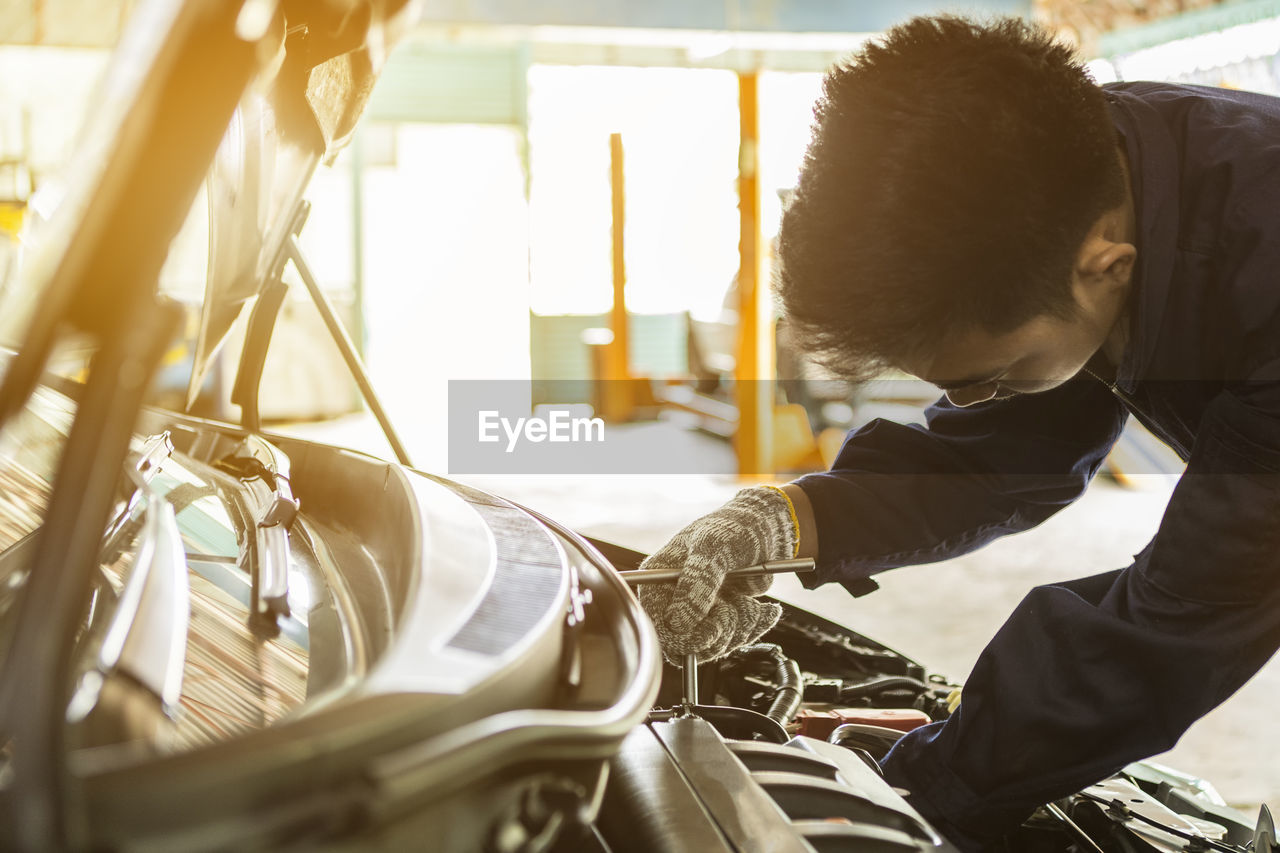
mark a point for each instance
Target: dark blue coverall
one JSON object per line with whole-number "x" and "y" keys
{"x": 1089, "y": 675}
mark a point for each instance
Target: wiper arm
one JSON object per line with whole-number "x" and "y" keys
{"x": 264, "y": 471}
{"x": 15, "y": 559}
{"x": 120, "y": 532}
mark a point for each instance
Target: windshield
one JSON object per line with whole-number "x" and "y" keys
{"x": 232, "y": 678}
{"x": 180, "y": 628}
{"x": 170, "y": 609}
{"x": 30, "y": 447}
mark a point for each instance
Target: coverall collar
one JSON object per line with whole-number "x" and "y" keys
{"x": 1154, "y": 173}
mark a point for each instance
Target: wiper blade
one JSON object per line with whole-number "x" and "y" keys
{"x": 264, "y": 471}
{"x": 147, "y": 636}
{"x": 146, "y": 639}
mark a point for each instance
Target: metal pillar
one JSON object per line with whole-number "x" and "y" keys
{"x": 754, "y": 441}
{"x": 616, "y": 358}
{"x": 613, "y": 394}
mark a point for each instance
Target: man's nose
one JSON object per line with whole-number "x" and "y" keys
{"x": 972, "y": 394}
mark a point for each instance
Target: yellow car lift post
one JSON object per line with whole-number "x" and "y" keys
{"x": 770, "y": 438}
{"x": 754, "y": 370}
{"x": 767, "y": 438}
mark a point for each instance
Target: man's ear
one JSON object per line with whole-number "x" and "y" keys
{"x": 1103, "y": 271}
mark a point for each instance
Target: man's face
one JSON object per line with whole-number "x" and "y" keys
{"x": 974, "y": 366}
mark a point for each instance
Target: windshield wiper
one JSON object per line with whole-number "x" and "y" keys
{"x": 264, "y": 472}
{"x": 146, "y": 640}
{"x": 143, "y": 468}
{"x": 120, "y": 531}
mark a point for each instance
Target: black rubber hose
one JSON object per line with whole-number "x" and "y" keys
{"x": 879, "y": 685}
{"x": 786, "y": 700}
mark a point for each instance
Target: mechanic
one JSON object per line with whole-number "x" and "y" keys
{"x": 1055, "y": 256}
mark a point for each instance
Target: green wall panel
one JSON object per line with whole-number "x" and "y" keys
{"x": 453, "y": 85}
{"x": 657, "y": 346}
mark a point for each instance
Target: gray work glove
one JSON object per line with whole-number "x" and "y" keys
{"x": 701, "y": 613}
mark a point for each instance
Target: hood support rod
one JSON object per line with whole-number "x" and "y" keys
{"x": 347, "y": 348}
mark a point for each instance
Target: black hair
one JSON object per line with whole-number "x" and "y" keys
{"x": 955, "y": 170}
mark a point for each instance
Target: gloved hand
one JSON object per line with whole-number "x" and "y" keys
{"x": 702, "y": 613}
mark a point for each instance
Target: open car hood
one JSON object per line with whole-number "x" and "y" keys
{"x": 91, "y": 275}
{"x": 292, "y": 78}
{"x": 318, "y": 87}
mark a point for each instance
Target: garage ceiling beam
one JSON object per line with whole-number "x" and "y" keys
{"x": 545, "y": 45}
{"x": 63, "y": 23}
{"x": 1187, "y": 25}
{"x": 781, "y": 16}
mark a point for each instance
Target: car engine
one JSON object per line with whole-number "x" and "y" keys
{"x": 784, "y": 756}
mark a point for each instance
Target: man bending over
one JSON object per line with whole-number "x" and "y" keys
{"x": 1056, "y": 257}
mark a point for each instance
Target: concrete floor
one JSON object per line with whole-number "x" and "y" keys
{"x": 943, "y": 614}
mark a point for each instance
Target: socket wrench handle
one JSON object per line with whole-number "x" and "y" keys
{"x": 776, "y": 567}
{"x": 689, "y": 676}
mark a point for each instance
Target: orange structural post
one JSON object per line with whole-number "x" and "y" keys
{"x": 755, "y": 369}
{"x": 613, "y": 395}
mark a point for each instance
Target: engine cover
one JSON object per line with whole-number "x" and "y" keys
{"x": 679, "y": 786}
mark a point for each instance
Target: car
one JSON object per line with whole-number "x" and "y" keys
{"x": 217, "y": 637}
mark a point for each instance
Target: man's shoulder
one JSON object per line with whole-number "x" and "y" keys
{"x": 1156, "y": 91}
{"x": 1208, "y": 174}
{"x": 1217, "y": 149}
{"x": 1193, "y": 107}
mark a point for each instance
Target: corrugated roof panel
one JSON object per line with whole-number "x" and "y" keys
{"x": 798, "y": 16}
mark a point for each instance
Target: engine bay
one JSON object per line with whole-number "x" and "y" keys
{"x": 785, "y": 741}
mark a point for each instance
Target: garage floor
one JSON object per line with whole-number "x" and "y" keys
{"x": 942, "y": 614}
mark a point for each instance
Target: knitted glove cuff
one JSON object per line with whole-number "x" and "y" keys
{"x": 774, "y": 517}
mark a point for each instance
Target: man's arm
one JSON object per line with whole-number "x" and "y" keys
{"x": 897, "y": 495}
{"x": 1091, "y": 674}
{"x": 900, "y": 495}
